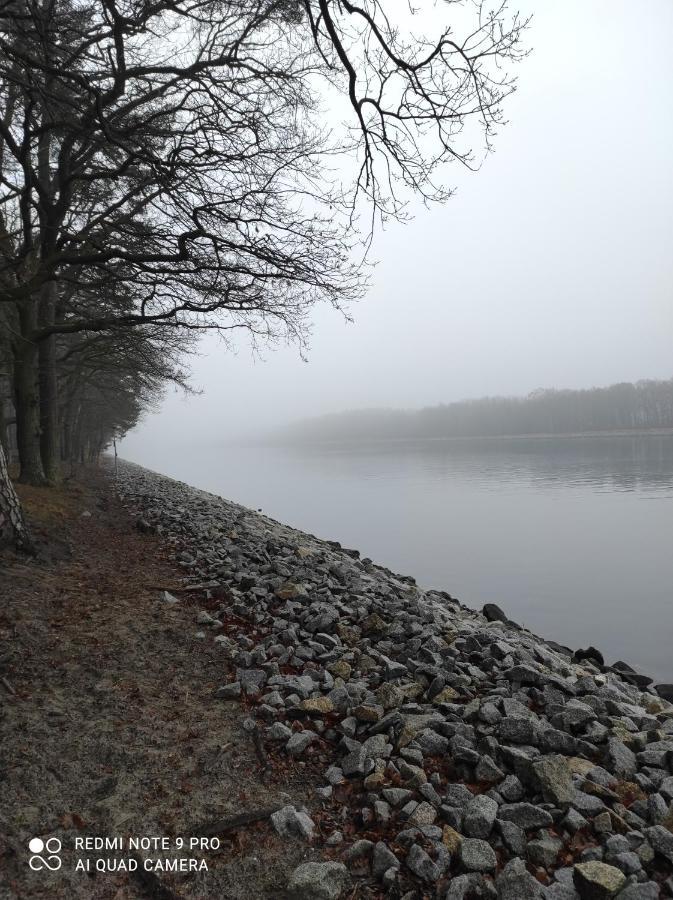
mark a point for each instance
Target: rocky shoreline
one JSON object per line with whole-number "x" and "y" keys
{"x": 462, "y": 756}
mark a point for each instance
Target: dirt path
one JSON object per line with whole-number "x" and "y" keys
{"x": 108, "y": 718}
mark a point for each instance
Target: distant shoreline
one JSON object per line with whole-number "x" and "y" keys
{"x": 491, "y": 438}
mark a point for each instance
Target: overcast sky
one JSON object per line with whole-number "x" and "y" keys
{"x": 551, "y": 266}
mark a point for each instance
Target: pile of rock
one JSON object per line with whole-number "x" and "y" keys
{"x": 483, "y": 761}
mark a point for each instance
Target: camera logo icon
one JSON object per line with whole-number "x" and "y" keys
{"x": 51, "y": 848}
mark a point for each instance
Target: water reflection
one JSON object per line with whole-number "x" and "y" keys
{"x": 639, "y": 463}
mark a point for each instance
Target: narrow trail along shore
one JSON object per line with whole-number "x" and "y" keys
{"x": 108, "y": 720}
{"x": 180, "y": 667}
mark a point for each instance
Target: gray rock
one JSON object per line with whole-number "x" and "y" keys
{"x": 619, "y": 759}
{"x": 278, "y": 732}
{"x": 393, "y": 669}
{"x": 319, "y": 881}
{"x": 479, "y": 816}
{"x": 662, "y": 841}
{"x": 489, "y": 713}
{"x": 515, "y": 883}
{"x": 555, "y": 779}
{"x": 383, "y": 859}
{"x": 617, "y": 843}
{"x": 560, "y": 891}
{"x": 512, "y": 707}
{"x": 544, "y": 851}
{"x": 299, "y": 741}
{"x": 487, "y": 770}
{"x": 657, "y": 809}
{"x": 382, "y": 811}
{"x": 575, "y": 715}
{"x": 431, "y": 743}
{"x": 464, "y": 886}
{"x": 477, "y": 855}
{"x": 574, "y": 821}
{"x": 587, "y": 804}
{"x": 458, "y": 795}
{"x": 525, "y": 815}
{"x": 513, "y": 837}
{"x": 229, "y": 691}
{"x": 290, "y": 822}
{"x": 493, "y": 613}
{"x": 251, "y": 680}
{"x": 423, "y": 814}
{"x": 597, "y": 881}
{"x": 666, "y": 788}
{"x": 396, "y": 796}
{"x": 629, "y": 862}
{"x": 518, "y": 730}
{"x": 511, "y": 789}
{"x": 554, "y": 741}
{"x": 421, "y": 865}
{"x": 665, "y": 691}
{"x": 354, "y": 763}
{"x": 648, "y": 890}
{"x": 359, "y": 850}
{"x": 525, "y": 675}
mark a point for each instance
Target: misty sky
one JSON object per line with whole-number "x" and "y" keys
{"x": 551, "y": 266}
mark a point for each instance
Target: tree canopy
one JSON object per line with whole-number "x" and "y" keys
{"x": 171, "y": 166}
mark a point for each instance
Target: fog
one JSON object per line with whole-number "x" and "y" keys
{"x": 551, "y": 266}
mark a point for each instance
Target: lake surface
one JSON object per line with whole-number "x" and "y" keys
{"x": 573, "y": 537}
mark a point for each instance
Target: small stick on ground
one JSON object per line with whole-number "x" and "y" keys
{"x": 219, "y": 826}
{"x": 260, "y": 750}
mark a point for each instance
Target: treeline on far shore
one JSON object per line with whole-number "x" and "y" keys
{"x": 619, "y": 407}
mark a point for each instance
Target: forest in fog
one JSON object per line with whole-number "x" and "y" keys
{"x": 625, "y": 406}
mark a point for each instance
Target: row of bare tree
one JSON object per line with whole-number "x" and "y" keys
{"x": 170, "y": 166}
{"x": 645, "y": 405}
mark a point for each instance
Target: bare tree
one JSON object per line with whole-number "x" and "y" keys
{"x": 181, "y": 150}
{"x": 107, "y": 380}
{"x": 13, "y": 528}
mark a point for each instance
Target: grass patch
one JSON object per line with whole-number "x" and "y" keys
{"x": 50, "y": 507}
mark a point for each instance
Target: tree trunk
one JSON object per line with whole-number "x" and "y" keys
{"x": 49, "y": 445}
{"x": 3, "y": 421}
{"x": 13, "y": 529}
{"x": 27, "y": 396}
{"x": 66, "y": 432}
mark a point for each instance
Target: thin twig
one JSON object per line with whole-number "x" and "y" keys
{"x": 219, "y": 826}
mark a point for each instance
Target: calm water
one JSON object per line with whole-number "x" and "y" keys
{"x": 573, "y": 538}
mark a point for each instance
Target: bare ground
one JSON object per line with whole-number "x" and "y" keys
{"x": 108, "y": 718}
